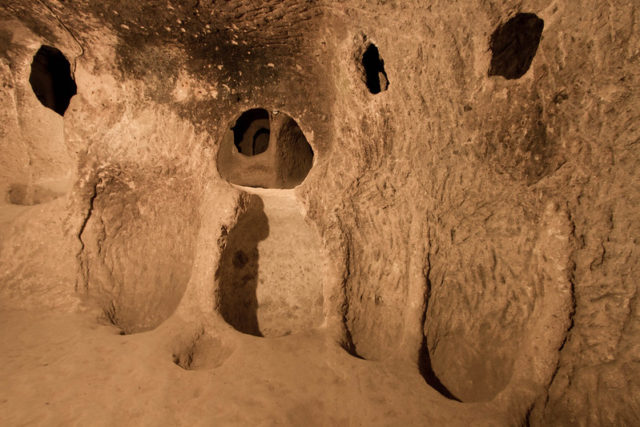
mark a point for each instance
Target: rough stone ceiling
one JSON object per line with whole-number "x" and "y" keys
{"x": 432, "y": 218}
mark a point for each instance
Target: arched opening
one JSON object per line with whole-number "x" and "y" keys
{"x": 251, "y": 132}
{"x": 51, "y": 79}
{"x": 374, "y": 75}
{"x": 264, "y": 149}
{"x": 514, "y": 44}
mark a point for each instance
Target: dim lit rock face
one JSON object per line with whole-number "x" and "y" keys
{"x": 355, "y": 213}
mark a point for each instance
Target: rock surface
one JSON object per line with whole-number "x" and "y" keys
{"x": 478, "y": 234}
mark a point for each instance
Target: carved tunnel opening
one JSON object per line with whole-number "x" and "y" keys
{"x": 266, "y": 150}
{"x": 51, "y": 79}
{"x": 514, "y": 44}
{"x": 251, "y": 132}
{"x": 374, "y": 74}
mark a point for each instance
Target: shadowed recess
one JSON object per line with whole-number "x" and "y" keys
{"x": 294, "y": 154}
{"x": 426, "y": 370}
{"x": 374, "y": 74}
{"x": 238, "y": 270}
{"x": 251, "y": 132}
{"x": 51, "y": 79}
{"x": 514, "y": 44}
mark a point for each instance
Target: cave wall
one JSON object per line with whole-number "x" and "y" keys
{"x": 469, "y": 176}
{"x": 483, "y": 229}
{"x": 37, "y": 166}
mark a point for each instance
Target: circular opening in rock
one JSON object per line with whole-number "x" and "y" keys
{"x": 514, "y": 44}
{"x": 285, "y": 155}
{"x": 374, "y": 75}
{"x": 251, "y": 132}
{"x": 51, "y": 79}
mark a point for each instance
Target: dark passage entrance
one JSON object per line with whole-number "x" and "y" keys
{"x": 251, "y": 132}
{"x": 514, "y": 44}
{"x": 51, "y": 79}
{"x": 375, "y": 76}
{"x": 261, "y": 141}
{"x": 265, "y": 149}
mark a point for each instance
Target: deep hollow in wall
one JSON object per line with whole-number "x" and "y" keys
{"x": 485, "y": 295}
{"x": 514, "y": 44}
{"x": 375, "y": 76}
{"x": 262, "y": 149}
{"x": 251, "y": 132}
{"x": 51, "y": 79}
{"x": 238, "y": 271}
{"x": 426, "y": 370}
{"x": 147, "y": 218}
{"x": 270, "y": 276}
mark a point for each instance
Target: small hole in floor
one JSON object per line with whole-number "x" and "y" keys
{"x": 374, "y": 74}
{"x": 51, "y": 79}
{"x": 514, "y": 44}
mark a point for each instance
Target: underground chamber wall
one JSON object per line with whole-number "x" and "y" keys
{"x": 154, "y": 221}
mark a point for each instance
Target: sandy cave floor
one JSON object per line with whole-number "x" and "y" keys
{"x": 67, "y": 369}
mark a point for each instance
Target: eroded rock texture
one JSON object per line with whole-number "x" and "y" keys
{"x": 453, "y": 189}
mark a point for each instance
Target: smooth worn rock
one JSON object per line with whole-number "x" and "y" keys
{"x": 319, "y": 212}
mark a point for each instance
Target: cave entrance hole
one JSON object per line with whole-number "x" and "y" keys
{"x": 374, "y": 74}
{"x": 264, "y": 149}
{"x": 51, "y": 79}
{"x": 514, "y": 44}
